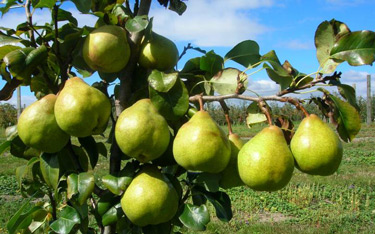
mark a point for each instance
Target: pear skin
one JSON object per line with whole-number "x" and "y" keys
{"x": 265, "y": 163}
{"x": 150, "y": 198}
{"x": 201, "y": 145}
{"x": 141, "y": 132}
{"x": 82, "y": 110}
{"x": 158, "y": 53}
{"x": 316, "y": 148}
{"x": 37, "y": 126}
{"x": 230, "y": 177}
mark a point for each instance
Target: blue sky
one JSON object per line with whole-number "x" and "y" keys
{"x": 287, "y": 26}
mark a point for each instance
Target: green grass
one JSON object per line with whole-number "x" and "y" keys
{"x": 341, "y": 203}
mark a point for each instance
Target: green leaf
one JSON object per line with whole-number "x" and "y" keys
{"x": 245, "y": 53}
{"x": 8, "y": 4}
{"x": 195, "y": 217}
{"x": 221, "y": 202}
{"x": 68, "y": 218}
{"x": 357, "y": 48}
{"x": 11, "y": 132}
{"x": 45, "y": 3}
{"x": 22, "y": 218}
{"x": 112, "y": 215}
{"x": 89, "y": 144}
{"x": 272, "y": 58}
{"x": 49, "y": 166}
{"x": 209, "y": 181}
{"x": 83, "y": 5}
{"x": 348, "y": 119}
{"x": 5, "y": 145}
{"x": 7, "y": 49}
{"x": 173, "y": 104}
{"x": 16, "y": 62}
{"x": 118, "y": 184}
{"x": 82, "y": 157}
{"x": 230, "y": 81}
{"x": 63, "y": 15}
{"x": 326, "y": 35}
{"x": 162, "y": 82}
{"x": 102, "y": 149}
{"x": 211, "y": 63}
{"x": 81, "y": 186}
{"x": 162, "y": 228}
{"x": 20, "y": 150}
{"x": 254, "y": 115}
{"x": 137, "y": 24}
{"x": 121, "y": 12}
{"x": 348, "y": 92}
{"x": 107, "y": 201}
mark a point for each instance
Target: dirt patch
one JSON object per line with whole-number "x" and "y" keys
{"x": 273, "y": 217}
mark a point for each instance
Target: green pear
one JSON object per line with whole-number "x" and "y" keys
{"x": 106, "y": 49}
{"x": 316, "y": 148}
{"x": 201, "y": 145}
{"x": 37, "y": 126}
{"x": 82, "y": 110}
{"x": 230, "y": 177}
{"x": 158, "y": 53}
{"x": 150, "y": 198}
{"x": 265, "y": 163}
{"x": 141, "y": 132}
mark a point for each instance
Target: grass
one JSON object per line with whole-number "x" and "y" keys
{"x": 341, "y": 203}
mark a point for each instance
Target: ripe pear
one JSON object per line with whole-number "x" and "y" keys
{"x": 37, "y": 126}
{"x": 265, "y": 163}
{"x": 316, "y": 148}
{"x": 150, "y": 198}
{"x": 106, "y": 49}
{"x": 158, "y": 53}
{"x": 82, "y": 110}
{"x": 201, "y": 145}
{"x": 141, "y": 132}
{"x": 230, "y": 177}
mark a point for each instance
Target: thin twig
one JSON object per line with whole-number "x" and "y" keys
{"x": 226, "y": 113}
{"x": 263, "y": 107}
{"x": 30, "y": 21}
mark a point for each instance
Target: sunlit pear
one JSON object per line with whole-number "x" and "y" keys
{"x": 106, "y": 49}
{"x": 265, "y": 163}
{"x": 201, "y": 145}
{"x": 230, "y": 177}
{"x": 316, "y": 148}
{"x": 82, "y": 110}
{"x": 141, "y": 132}
{"x": 158, "y": 53}
{"x": 37, "y": 126}
{"x": 150, "y": 198}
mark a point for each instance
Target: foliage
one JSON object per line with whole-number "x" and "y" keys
{"x": 75, "y": 194}
{"x": 8, "y": 115}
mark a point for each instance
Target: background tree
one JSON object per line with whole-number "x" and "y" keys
{"x": 47, "y": 57}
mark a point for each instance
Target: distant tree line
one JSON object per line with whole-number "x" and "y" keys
{"x": 8, "y": 115}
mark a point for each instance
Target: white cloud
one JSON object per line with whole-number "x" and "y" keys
{"x": 263, "y": 87}
{"x": 212, "y": 23}
{"x": 358, "y": 78}
{"x": 26, "y": 100}
{"x": 297, "y": 44}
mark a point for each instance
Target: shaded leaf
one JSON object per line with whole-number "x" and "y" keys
{"x": 17, "y": 221}
{"x": 81, "y": 186}
{"x": 254, "y": 115}
{"x": 177, "y": 6}
{"x": 7, "y": 49}
{"x": 172, "y": 104}
{"x": 245, "y": 53}
{"x": 49, "y": 166}
{"x": 162, "y": 82}
{"x": 67, "y": 219}
{"x": 162, "y": 228}
{"x": 279, "y": 75}
{"x": 6, "y": 92}
{"x": 83, "y": 5}
{"x": 5, "y": 145}
{"x": 271, "y": 57}
{"x": 8, "y": 40}
{"x": 348, "y": 92}
{"x": 348, "y": 119}
{"x": 45, "y": 3}
{"x": 112, "y": 215}
{"x": 209, "y": 181}
{"x": 221, "y": 202}
{"x": 230, "y": 81}
{"x": 286, "y": 125}
{"x": 106, "y": 201}
{"x": 195, "y": 217}
{"x": 63, "y": 15}
{"x": 118, "y": 184}
{"x": 211, "y": 63}
{"x": 89, "y": 144}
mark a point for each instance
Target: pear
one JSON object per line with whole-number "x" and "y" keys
{"x": 106, "y": 49}
{"x": 201, "y": 145}
{"x": 141, "y": 132}
{"x": 37, "y": 126}
{"x": 158, "y": 53}
{"x": 150, "y": 198}
{"x": 230, "y": 177}
{"x": 316, "y": 148}
{"x": 265, "y": 163}
{"x": 82, "y": 110}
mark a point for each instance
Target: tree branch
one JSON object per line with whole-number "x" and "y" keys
{"x": 30, "y": 22}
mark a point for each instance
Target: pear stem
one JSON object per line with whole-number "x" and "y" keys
{"x": 200, "y": 100}
{"x": 226, "y": 113}
{"x": 264, "y": 108}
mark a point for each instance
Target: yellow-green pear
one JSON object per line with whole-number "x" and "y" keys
{"x": 106, "y": 49}
{"x": 150, "y": 198}
{"x": 201, "y": 145}
{"x": 82, "y": 110}
{"x": 265, "y": 163}
{"x": 158, "y": 53}
{"x": 316, "y": 148}
{"x": 230, "y": 177}
{"x": 37, "y": 126}
{"x": 141, "y": 132}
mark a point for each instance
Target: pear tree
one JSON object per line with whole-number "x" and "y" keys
{"x": 166, "y": 157}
